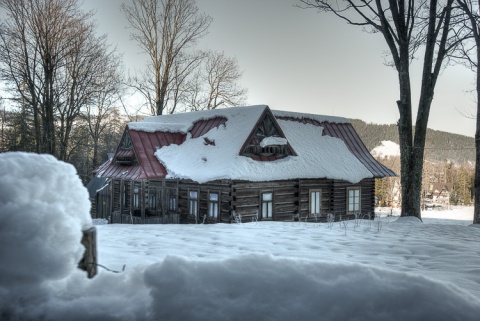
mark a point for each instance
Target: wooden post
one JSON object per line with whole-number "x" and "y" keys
{"x": 89, "y": 261}
{"x": 123, "y": 201}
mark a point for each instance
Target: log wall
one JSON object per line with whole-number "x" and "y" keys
{"x": 291, "y": 200}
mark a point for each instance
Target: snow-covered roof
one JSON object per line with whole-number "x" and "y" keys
{"x": 319, "y": 118}
{"x": 216, "y": 151}
{"x": 183, "y": 122}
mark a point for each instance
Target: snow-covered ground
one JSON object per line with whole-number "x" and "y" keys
{"x": 444, "y": 247}
{"x": 388, "y": 269}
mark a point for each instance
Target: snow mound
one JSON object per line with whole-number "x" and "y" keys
{"x": 408, "y": 220}
{"x": 259, "y": 287}
{"x": 386, "y": 149}
{"x": 43, "y": 208}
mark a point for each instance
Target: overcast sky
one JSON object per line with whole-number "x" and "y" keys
{"x": 300, "y": 60}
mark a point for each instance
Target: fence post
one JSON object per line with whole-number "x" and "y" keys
{"x": 89, "y": 261}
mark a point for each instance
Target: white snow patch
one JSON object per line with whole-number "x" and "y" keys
{"x": 319, "y": 118}
{"x": 268, "y": 141}
{"x": 386, "y": 149}
{"x": 410, "y": 220}
{"x": 183, "y": 122}
{"x": 152, "y": 127}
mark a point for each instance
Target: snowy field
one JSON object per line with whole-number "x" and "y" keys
{"x": 388, "y": 269}
{"x": 444, "y": 247}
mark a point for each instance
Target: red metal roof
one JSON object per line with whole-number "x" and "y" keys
{"x": 145, "y": 144}
{"x": 147, "y": 165}
{"x": 202, "y": 127}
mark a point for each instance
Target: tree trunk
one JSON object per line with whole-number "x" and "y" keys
{"x": 411, "y": 173}
{"x": 476, "y": 184}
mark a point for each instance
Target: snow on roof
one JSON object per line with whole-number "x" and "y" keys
{"x": 151, "y": 127}
{"x": 183, "y": 122}
{"x": 319, "y": 118}
{"x": 318, "y": 156}
{"x": 269, "y": 141}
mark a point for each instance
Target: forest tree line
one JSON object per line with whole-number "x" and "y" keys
{"x": 439, "y": 145}
{"x": 449, "y": 158}
{"x": 458, "y": 177}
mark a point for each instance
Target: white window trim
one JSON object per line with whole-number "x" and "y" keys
{"x": 215, "y": 203}
{"x": 271, "y": 202}
{"x": 359, "y": 188}
{"x": 195, "y": 201}
{"x": 319, "y": 205}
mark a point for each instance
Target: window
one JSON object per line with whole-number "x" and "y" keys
{"x": 315, "y": 201}
{"x": 152, "y": 204}
{"x": 171, "y": 200}
{"x": 193, "y": 203}
{"x": 267, "y": 205}
{"x": 353, "y": 199}
{"x": 213, "y": 205}
{"x": 135, "y": 197}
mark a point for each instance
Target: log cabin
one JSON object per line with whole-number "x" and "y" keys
{"x": 237, "y": 164}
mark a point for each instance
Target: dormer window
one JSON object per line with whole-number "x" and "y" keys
{"x": 125, "y": 154}
{"x": 266, "y": 143}
{"x": 126, "y": 142}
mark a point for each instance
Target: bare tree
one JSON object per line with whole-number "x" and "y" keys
{"x": 469, "y": 51}
{"x": 406, "y": 25}
{"x": 3, "y": 125}
{"x": 100, "y": 111}
{"x": 82, "y": 80}
{"x": 52, "y": 62}
{"x": 216, "y": 84}
{"x": 165, "y": 30}
{"x": 34, "y": 41}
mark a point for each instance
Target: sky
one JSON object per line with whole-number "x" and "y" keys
{"x": 300, "y": 60}
{"x": 389, "y": 268}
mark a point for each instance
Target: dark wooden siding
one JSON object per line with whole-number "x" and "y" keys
{"x": 291, "y": 199}
{"x": 220, "y": 187}
{"x": 247, "y": 195}
{"x": 326, "y": 186}
{"x": 367, "y": 187}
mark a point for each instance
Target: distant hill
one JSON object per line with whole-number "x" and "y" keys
{"x": 440, "y": 145}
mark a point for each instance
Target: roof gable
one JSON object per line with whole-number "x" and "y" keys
{"x": 125, "y": 154}
{"x": 267, "y": 142}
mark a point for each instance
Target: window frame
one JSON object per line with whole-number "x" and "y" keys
{"x": 358, "y": 204}
{"x": 152, "y": 199}
{"x": 310, "y": 201}
{"x": 269, "y": 208}
{"x": 171, "y": 201}
{"x": 136, "y": 197}
{"x": 215, "y": 204}
{"x": 193, "y": 203}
